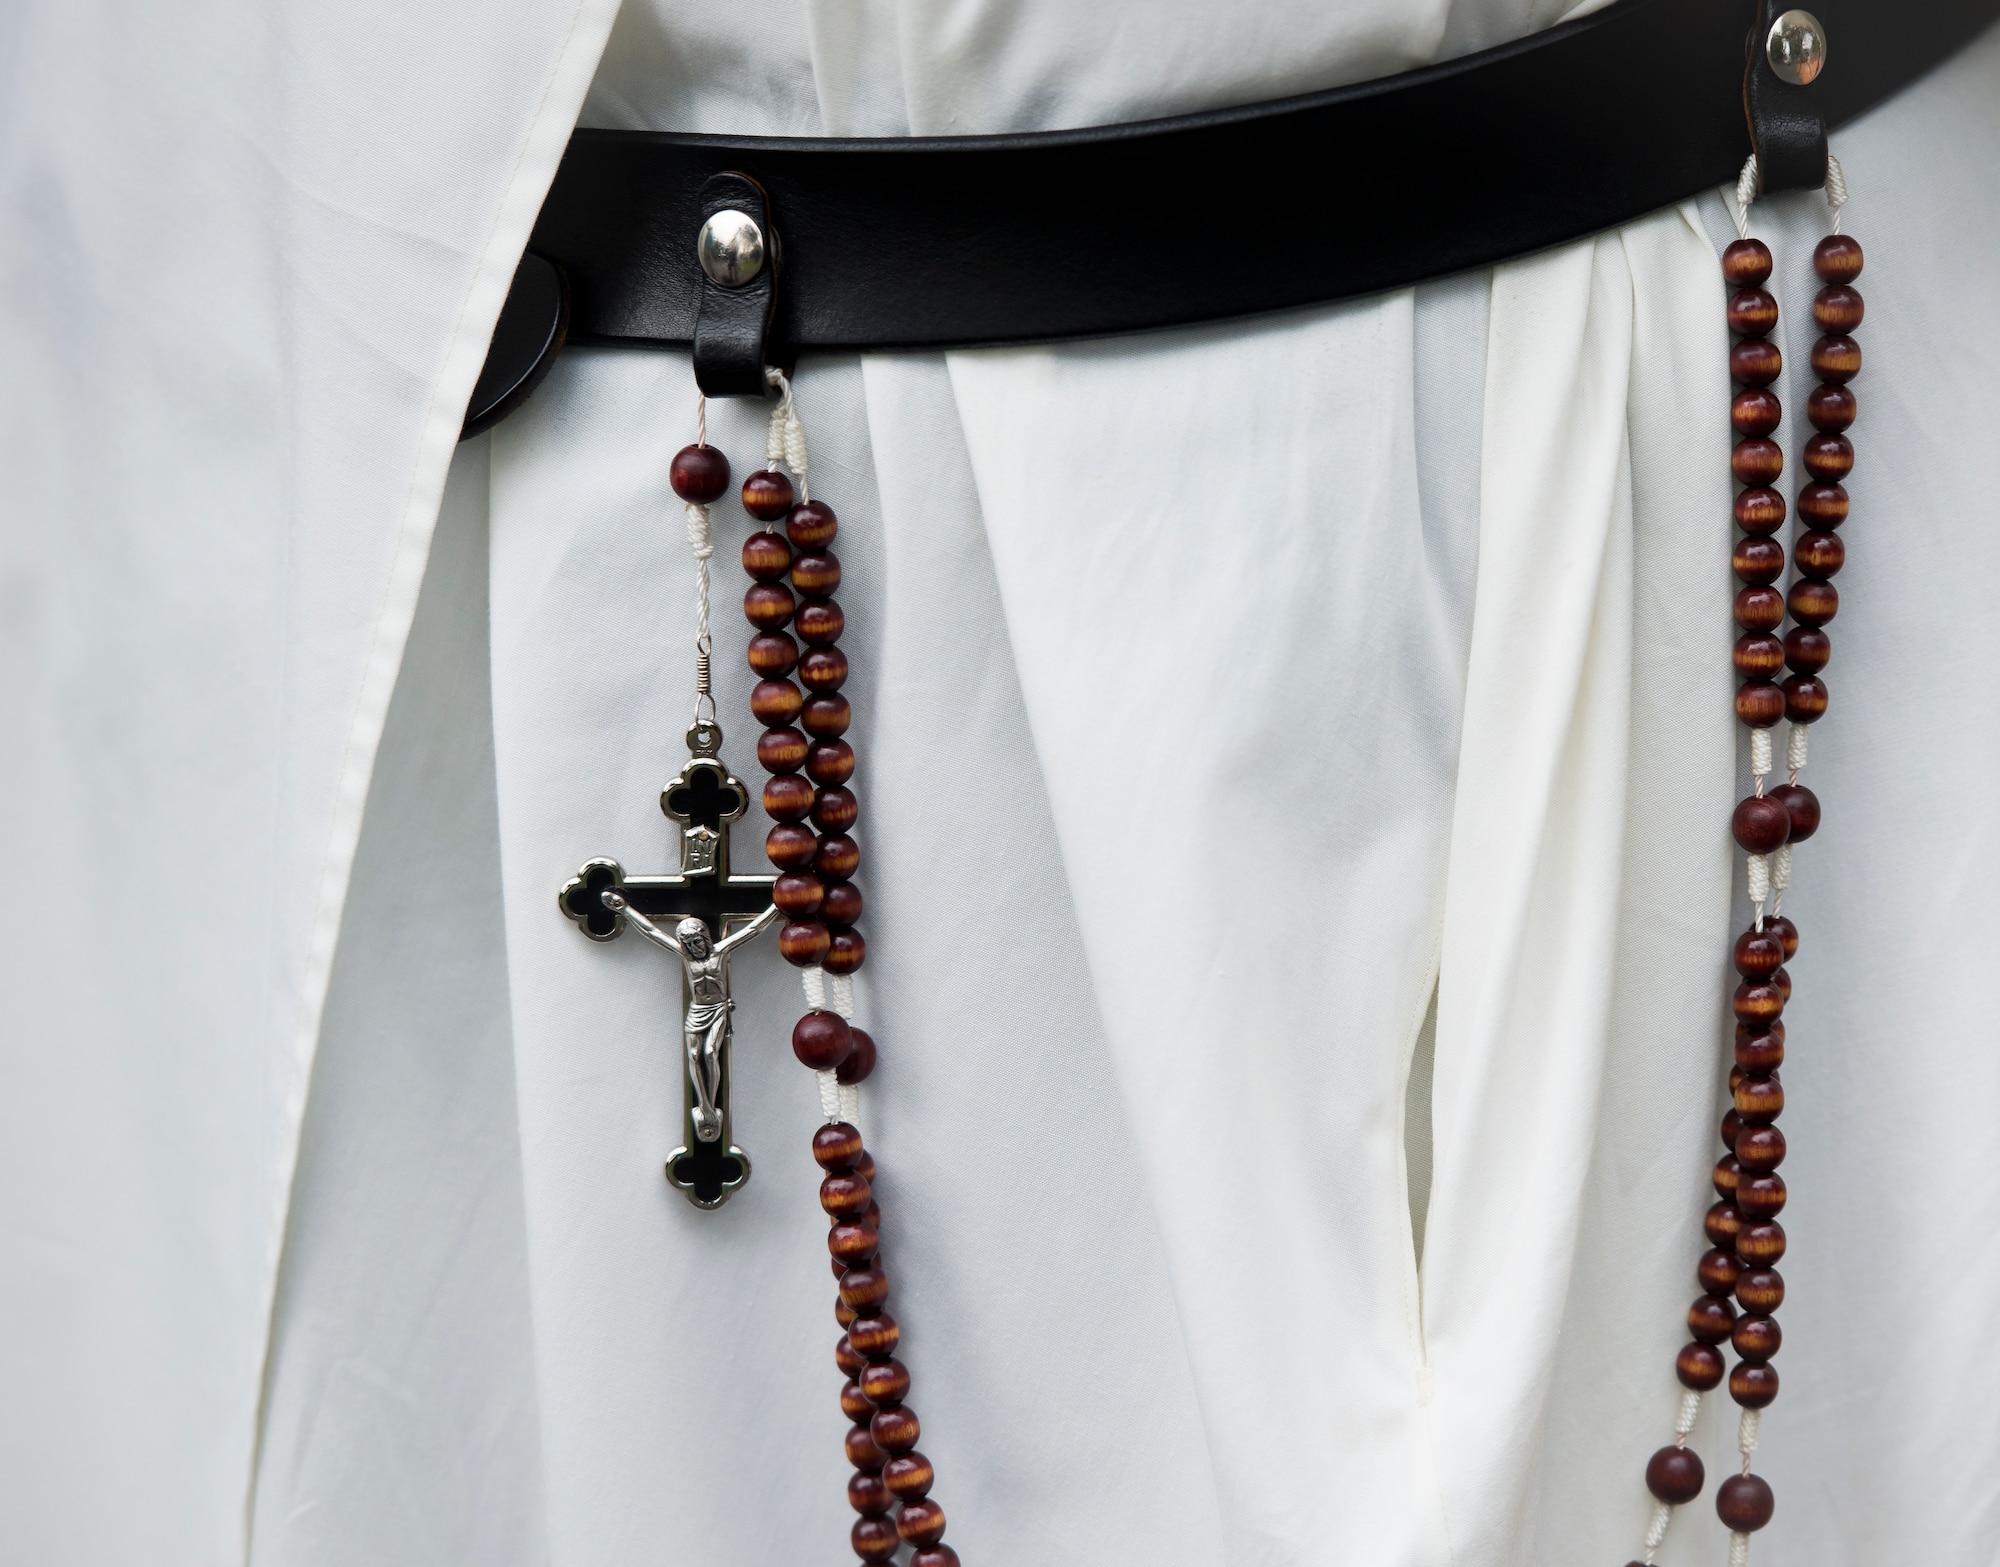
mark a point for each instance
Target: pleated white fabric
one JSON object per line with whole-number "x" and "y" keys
{"x": 1222, "y": 697}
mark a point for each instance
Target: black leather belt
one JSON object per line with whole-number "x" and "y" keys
{"x": 941, "y": 242}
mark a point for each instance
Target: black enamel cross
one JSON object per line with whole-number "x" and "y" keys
{"x": 704, "y": 800}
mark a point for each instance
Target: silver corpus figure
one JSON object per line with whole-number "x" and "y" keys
{"x": 705, "y": 1030}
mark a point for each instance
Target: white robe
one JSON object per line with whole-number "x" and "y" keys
{"x": 1222, "y": 695}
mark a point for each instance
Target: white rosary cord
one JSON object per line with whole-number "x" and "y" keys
{"x": 1663, "y": 1512}
{"x": 1749, "y": 186}
{"x": 786, "y": 440}
{"x": 702, "y": 542}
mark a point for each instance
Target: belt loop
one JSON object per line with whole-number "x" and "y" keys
{"x": 736, "y": 254}
{"x": 1787, "y": 52}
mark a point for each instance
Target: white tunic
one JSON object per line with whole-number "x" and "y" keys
{"x": 1223, "y": 697}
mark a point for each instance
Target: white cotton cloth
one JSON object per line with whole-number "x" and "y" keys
{"x": 1221, "y": 695}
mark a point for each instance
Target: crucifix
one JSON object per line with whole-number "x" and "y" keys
{"x": 700, "y": 914}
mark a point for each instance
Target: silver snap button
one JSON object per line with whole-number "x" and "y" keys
{"x": 1796, "y": 47}
{"x": 730, "y": 248}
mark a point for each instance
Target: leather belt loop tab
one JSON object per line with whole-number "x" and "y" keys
{"x": 734, "y": 252}
{"x": 1787, "y": 130}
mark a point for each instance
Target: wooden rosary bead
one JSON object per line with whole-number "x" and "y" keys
{"x": 864, "y": 1288}
{"x": 1760, "y": 704}
{"x": 865, "y": 1165}
{"x": 798, "y": 895}
{"x": 1752, "y": 313}
{"x": 839, "y": 857}
{"x": 1759, "y": 1100}
{"x": 820, "y": 622}
{"x": 854, "y": 1403}
{"x": 835, "y": 810}
{"x": 773, "y": 654}
{"x": 1762, "y": 1245}
{"x": 824, "y": 669}
{"x": 1717, "y": 1271}
{"x": 816, "y": 574}
{"x": 1786, "y": 932}
{"x": 1783, "y": 981}
{"x": 821, "y": 1040}
{"x": 1828, "y": 458}
{"x": 811, "y": 525}
{"x": 1744, "y": 1503}
{"x": 845, "y": 1196}
{"x": 1761, "y": 510}
{"x": 775, "y": 703}
{"x": 1757, "y": 1003}
{"x": 1756, "y": 1338}
{"x": 1736, "y": 1075}
{"x": 1760, "y": 1150}
{"x": 1761, "y": 1290}
{"x": 1754, "y": 1384}
{"x": 1746, "y": 263}
{"x": 768, "y": 605}
{"x": 866, "y": 1493}
{"x": 936, "y": 1556}
{"x": 1830, "y": 408}
{"x": 1805, "y": 701}
{"x": 846, "y": 951}
{"x": 827, "y": 717}
{"x": 1755, "y": 361}
{"x": 1757, "y": 461}
{"x": 1675, "y": 1475}
{"x": 895, "y": 1430}
{"x": 1758, "y": 561}
{"x": 1759, "y": 824}
{"x": 788, "y": 797}
{"x": 1837, "y": 308}
{"x": 767, "y": 495}
{"x": 853, "y": 1246}
{"x": 699, "y": 474}
{"x": 1722, "y": 1224}
{"x": 781, "y": 750}
{"x": 803, "y": 943}
{"x": 886, "y": 1383}
{"x": 847, "y": 1357}
{"x": 791, "y": 847}
{"x": 1755, "y": 411}
{"x": 921, "y": 1523}
{"x": 1819, "y": 555}
{"x": 1724, "y": 1176}
{"x": 861, "y": 1062}
{"x": 1756, "y": 955}
{"x": 1732, "y": 1124}
{"x": 1758, "y": 656}
{"x": 1761, "y": 1053}
{"x": 862, "y": 1451}
{"x": 1813, "y": 603}
{"x": 909, "y": 1476}
{"x": 1760, "y": 1195}
{"x": 1807, "y": 649}
{"x": 1760, "y": 609}
{"x": 1699, "y": 1366}
{"x": 830, "y": 762}
{"x": 875, "y": 1336}
{"x": 1800, "y": 803}
{"x": 1710, "y": 1318}
{"x": 1837, "y": 258}
{"x": 843, "y": 904}
{"x": 766, "y": 556}
{"x": 875, "y": 1540}
{"x": 837, "y": 1147}
{"x": 1836, "y": 359}
{"x": 1823, "y": 505}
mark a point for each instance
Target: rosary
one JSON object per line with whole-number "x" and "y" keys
{"x": 797, "y": 625}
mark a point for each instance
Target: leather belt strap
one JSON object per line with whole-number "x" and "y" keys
{"x": 941, "y": 242}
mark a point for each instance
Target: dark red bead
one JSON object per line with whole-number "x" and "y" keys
{"x": 827, "y": 717}
{"x": 1762, "y": 1245}
{"x": 862, "y": 1451}
{"x": 1755, "y": 361}
{"x": 1746, "y": 263}
{"x": 1760, "y": 1290}
{"x": 843, "y": 904}
{"x": 1760, "y": 609}
{"x": 1823, "y": 505}
{"x": 1758, "y": 656}
{"x": 1710, "y": 1319}
{"x": 936, "y": 1556}
{"x": 875, "y": 1540}
{"x": 1757, "y": 461}
{"x": 1838, "y": 308}
{"x": 839, "y": 857}
{"x": 1752, "y": 313}
{"x": 803, "y": 943}
{"x": 767, "y": 495}
{"x": 1760, "y": 1054}
{"x": 846, "y": 951}
{"x": 875, "y": 1335}
{"x": 781, "y": 750}
{"x": 1757, "y": 1004}
{"x": 1760, "y": 704}
{"x": 1760, "y": 1099}
{"x": 768, "y": 605}
{"x": 1786, "y": 932}
{"x": 852, "y": 1245}
{"x": 821, "y": 623}
{"x": 1732, "y": 1123}
{"x": 824, "y": 669}
{"x": 821, "y": 1040}
{"x": 835, "y": 810}
{"x": 836, "y": 1147}
{"x": 860, "y": 1062}
{"x": 886, "y": 1382}
{"x": 1760, "y": 1196}
{"x": 1717, "y": 1270}
{"x": 766, "y": 556}
{"x": 853, "y": 1402}
{"x": 1758, "y": 561}
{"x": 773, "y": 654}
{"x": 811, "y": 525}
{"x": 1726, "y": 1174}
{"x": 816, "y": 574}
{"x": 1783, "y": 981}
{"x": 909, "y": 1476}
{"x": 1753, "y": 1385}
{"x": 830, "y": 762}
{"x": 921, "y": 1523}
{"x": 791, "y": 847}
{"x": 864, "y": 1288}
{"x": 1755, "y": 411}
{"x": 866, "y": 1493}
{"x": 1760, "y": 511}
{"x": 844, "y": 1196}
{"x": 1756, "y": 955}
{"x": 1699, "y": 1366}
{"x": 1760, "y": 1150}
{"x": 1830, "y": 408}
{"x": 1722, "y": 1224}
{"x": 1828, "y": 458}
{"x": 1760, "y": 824}
{"x": 1837, "y": 258}
{"x": 1674, "y": 1475}
{"x": 1807, "y": 649}
{"x": 775, "y": 703}
{"x": 895, "y": 1430}
{"x": 1819, "y": 555}
{"x": 848, "y": 1358}
{"x": 787, "y": 798}
{"x": 1800, "y": 803}
{"x": 699, "y": 474}
{"x": 1837, "y": 359}
{"x": 1744, "y": 1503}
{"x": 798, "y": 895}
{"x": 1805, "y": 701}
{"x": 1813, "y": 603}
